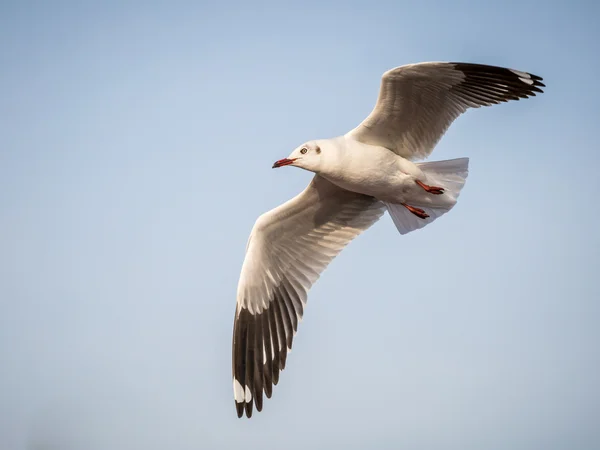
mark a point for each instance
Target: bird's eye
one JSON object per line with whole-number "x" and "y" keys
{"x": 304, "y": 150}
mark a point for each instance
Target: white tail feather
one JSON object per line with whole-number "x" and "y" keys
{"x": 450, "y": 175}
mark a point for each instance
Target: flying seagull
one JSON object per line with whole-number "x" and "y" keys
{"x": 358, "y": 176}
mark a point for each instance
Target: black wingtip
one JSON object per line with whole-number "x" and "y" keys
{"x": 260, "y": 345}
{"x": 535, "y": 77}
{"x": 240, "y": 409}
{"x": 248, "y": 409}
{"x": 269, "y": 389}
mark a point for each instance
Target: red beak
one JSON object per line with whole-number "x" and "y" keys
{"x": 283, "y": 162}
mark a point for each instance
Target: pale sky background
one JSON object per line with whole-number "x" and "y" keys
{"x": 136, "y": 144}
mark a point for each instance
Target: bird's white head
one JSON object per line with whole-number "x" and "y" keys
{"x": 308, "y": 156}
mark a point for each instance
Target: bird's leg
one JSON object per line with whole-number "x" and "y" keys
{"x": 416, "y": 211}
{"x": 431, "y": 189}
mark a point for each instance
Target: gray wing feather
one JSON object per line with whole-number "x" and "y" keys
{"x": 288, "y": 249}
{"x": 418, "y": 102}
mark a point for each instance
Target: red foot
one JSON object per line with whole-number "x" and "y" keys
{"x": 416, "y": 211}
{"x": 431, "y": 189}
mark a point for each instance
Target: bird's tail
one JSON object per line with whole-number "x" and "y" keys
{"x": 451, "y": 176}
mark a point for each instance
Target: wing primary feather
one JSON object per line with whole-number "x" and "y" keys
{"x": 515, "y": 85}
{"x": 286, "y": 326}
{"x": 288, "y": 306}
{"x": 268, "y": 350}
{"x": 505, "y": 78}
{"x": 275, "y": 332}
{"x": 258, "y": 362}
{"x": 296, "y": 301}
{"x": 239, "y": 349}
{"x": 250, "y": 359}
{"x": 289, "y": 316}
{"x": 239, "y": 407}
{"x": 478, "y": 98}
{"x": 490, "y": 92}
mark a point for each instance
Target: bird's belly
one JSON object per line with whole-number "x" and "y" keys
{"x": 394, "y": 188}
{"x": 383, "y": 175}
{"x": 389, "y": 186}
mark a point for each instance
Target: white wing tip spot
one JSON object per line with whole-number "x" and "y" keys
{"x": 238, "y": 391}
{"x": 523, "y": 76}
{"x": 520, "y": 74}
{"x": 247, "y": 394}
{"x": 527, "y": 81}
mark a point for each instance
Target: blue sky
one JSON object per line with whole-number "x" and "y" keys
{"x": 136, "y": 143}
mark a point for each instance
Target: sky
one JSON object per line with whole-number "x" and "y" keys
{"x": 136, "y": 144}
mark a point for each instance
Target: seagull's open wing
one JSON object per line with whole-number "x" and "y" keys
{"x": 418, "y": 102}
{"x": 288, "y": 249}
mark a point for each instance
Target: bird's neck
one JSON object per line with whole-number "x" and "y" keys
{"x": 332, "y": 153}
{"x": 336, "y": 157}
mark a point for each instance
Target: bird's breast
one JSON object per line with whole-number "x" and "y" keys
{"x": 374, "y": 173}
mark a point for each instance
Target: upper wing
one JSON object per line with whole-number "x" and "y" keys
{"x": 288, "y": 249}
{"x": 418, "y": 102}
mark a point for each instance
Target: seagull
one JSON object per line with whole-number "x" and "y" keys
{"x": 358, "y": 176}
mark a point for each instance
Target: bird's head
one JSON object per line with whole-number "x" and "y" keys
{"x": 307, "y": 156}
